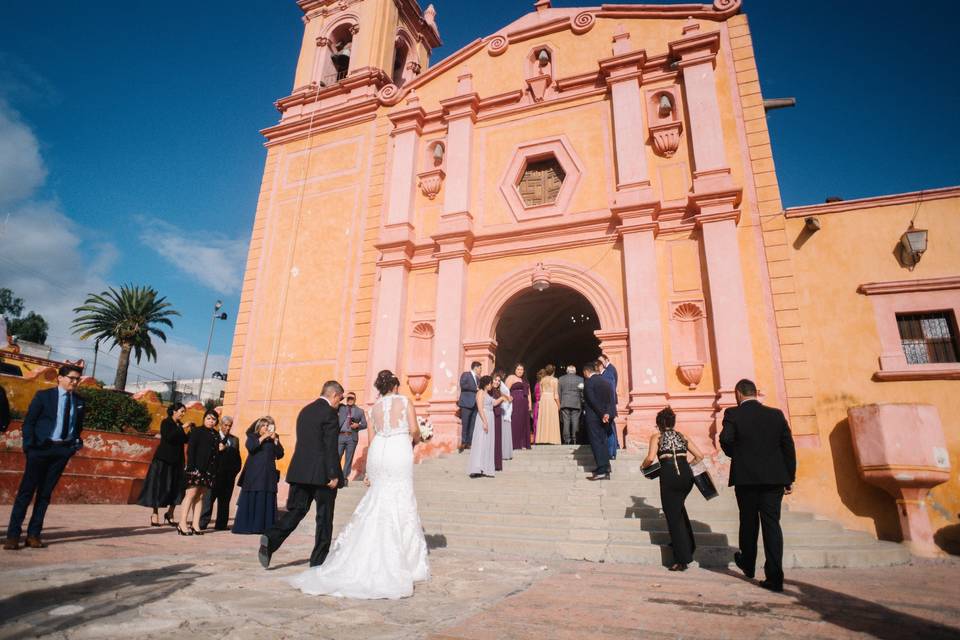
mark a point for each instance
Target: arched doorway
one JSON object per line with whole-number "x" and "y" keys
{"x": 555, "y": 326}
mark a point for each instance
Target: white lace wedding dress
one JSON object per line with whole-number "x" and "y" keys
{"x": 382, "y": 551}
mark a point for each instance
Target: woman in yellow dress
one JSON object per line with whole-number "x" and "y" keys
{"x": 548, "y": 418}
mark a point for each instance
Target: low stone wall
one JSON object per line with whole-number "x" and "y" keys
{"x": 109, "y": 469}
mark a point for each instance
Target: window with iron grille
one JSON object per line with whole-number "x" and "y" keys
{"x": 541, "y": 182}
{"x": 928, "y": 337}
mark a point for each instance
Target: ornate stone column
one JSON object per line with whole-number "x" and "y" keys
{"x": 454, "y": 239}
{"x": 636, "y": 208}
{"x": 396, "y": 242}
{"x": 715, "y": 199}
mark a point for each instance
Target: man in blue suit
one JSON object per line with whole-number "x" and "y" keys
{"x": 598, "y": 407}
{"x": 468, "y": 403}
{"x": 609, "y": 372}
{"x": 51, "y": 435}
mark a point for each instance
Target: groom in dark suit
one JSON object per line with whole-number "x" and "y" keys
{"x": 598, "y": 410}
{"x": 51, "y": 435}
{"x": 763, "y": 468}
{"x": 468, "y": 403}
{"x": 314, "y": 476}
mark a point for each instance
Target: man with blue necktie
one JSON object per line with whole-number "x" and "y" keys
{"x": 51, "y": 435}
{"x": 609, "y": 372}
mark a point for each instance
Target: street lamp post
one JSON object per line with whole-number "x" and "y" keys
{"x": 213, "y": 323}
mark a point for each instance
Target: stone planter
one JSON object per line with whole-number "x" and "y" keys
{"x": 109, "y": 469}
{"x": 901, "y": 448}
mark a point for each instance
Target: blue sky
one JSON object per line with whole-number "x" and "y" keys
{"x": 130, "y": 152}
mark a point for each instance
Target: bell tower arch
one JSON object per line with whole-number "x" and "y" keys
{"x": 390, "y": 40}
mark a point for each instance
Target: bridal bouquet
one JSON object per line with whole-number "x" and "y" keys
{"x": 426, "y": 427}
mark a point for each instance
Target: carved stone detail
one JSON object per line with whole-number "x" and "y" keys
{"x": 582, "y": 22}
{"x": 666, "y": 138}
{"x": 690, "y": 373}
{"x": 497, "y": 45}
{"x": 430, "y": 182}
{"x": 538, "y": 86}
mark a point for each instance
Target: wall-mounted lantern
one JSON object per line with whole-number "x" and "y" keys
{"x": 913, "y": 243}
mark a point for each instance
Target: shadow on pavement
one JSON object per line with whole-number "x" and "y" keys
{"x": 57, "y": 609}
{"x": 64, "y": 535}
{"x": 713, "y": 550}
{"x": 864, "y": 616}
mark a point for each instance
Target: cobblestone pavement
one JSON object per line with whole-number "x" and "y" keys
{"x": 107, "y": 576}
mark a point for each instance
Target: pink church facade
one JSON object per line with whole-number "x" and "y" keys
{"x": 583, "y": 180}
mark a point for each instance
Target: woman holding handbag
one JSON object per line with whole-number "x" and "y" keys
{"x": 676, "y": 480}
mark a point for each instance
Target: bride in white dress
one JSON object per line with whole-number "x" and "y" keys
{"x": 382, "y": 551}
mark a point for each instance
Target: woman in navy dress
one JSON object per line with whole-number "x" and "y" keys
{"x": 257, "y": 506}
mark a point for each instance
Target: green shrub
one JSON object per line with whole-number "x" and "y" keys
{"x": 112, "y": 410}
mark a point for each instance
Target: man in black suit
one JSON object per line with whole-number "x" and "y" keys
{"x": 467, "y": 403}
{"x": 51, "y": 435}
{"x": 228, "y": 466}
{"x": 763, "y": 468}
{"x": 314, "y": 476}
{"x": 598, "y": 409}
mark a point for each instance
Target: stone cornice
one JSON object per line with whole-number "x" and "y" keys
{"x": 696, "y": 48}
{"x": 718, "y": 11}
{"x": 875, "y": 201}
{"x": 320, "y": 121}
{"x": 623, "y": 67}
{"x": 909, "y": 286}
{"x": 721, "y": 216}
{"x": 461, "y": 106}
{"x": 410, "y": 119}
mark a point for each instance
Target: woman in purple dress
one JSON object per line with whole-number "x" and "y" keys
{"x": 520, "y": 418}
{"x": 536, "y": 403}
{"x": 498, "y": 400}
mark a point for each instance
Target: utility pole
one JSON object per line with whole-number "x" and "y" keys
{"x": 213, "y": 323}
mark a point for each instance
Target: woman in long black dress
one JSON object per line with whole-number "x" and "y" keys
{"x": 520, "y": 419}
{"x": 200, "y": 472}
{"x": 257, "y": 506}
{"x": 163, "y": 486}
{"x": 676, "y": 481}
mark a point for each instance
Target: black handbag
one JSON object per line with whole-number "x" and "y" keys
{"x": 652, "y": 470}
{"x": 705, "y": 484}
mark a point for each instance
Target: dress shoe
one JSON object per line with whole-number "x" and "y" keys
{"x": 35, "y": 543}
{"x": 264, "y": 554}
{"x": 221, "y": 528}
{"x": 738, "y": 560}
{"x": 604, "y": 476}
{"x": 776, "y": 587}
{"x": 11, "y": 544}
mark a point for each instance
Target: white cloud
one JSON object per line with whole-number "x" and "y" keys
{"x": 46, "y": 259}
{"x": 21, "y": 168}
{"x": 215, "y": 260}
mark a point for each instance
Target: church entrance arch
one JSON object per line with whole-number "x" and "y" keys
{"x": 556, "y": 326}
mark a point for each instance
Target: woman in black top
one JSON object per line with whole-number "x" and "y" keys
{"x": 257, "y": 506}
{"x": 676, "y": 481}
{"x": 200, "y": 472}
{"x": 163, "y": 486}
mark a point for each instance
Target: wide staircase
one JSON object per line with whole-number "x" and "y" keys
{"x": 542, "y": 506}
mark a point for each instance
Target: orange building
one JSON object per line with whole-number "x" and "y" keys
{"x": 583, "y": 180}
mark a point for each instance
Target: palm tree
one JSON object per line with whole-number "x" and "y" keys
{"x": 127, "y": 318}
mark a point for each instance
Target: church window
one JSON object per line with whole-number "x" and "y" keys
{"x": 928, "y": 337}
{"x": 541, "y": 182}
{"x": 399, "y": 63}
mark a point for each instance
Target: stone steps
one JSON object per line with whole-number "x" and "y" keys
{"x": 541, "y": 506}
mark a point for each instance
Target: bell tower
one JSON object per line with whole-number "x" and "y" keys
{"x": 386, "y": 41}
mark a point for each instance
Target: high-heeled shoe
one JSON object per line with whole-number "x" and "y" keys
{"x": 678, "y": 567}
{"x": 167, "y": 519}
{"x": 181, "y": 532}
{"x": 195, "y": 532}
{"x": 154, "y": 523}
